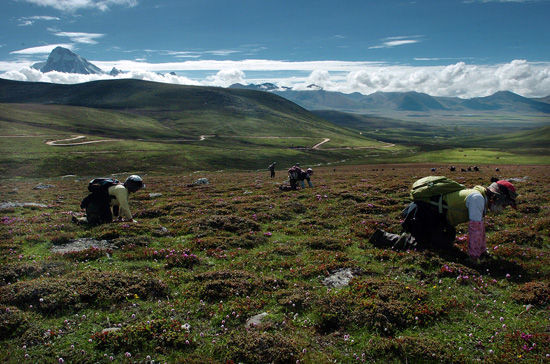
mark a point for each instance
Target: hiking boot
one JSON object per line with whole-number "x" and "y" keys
{"x": 382, "y": 239}
{"x": 405, "y": 242}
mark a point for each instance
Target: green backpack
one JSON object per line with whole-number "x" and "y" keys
{"x": 431, "y": 189}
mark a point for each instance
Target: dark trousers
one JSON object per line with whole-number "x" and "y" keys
{"x": 427, "y": 226}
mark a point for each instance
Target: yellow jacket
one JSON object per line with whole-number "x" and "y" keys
{"x": 457, "y": 212}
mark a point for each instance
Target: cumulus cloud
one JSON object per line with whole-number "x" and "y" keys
{"x": 528, "y": 79}
{"x": 317, "y": 78}
{"x": 46, "y": 49}
{"x": 226, "y": 78}
{"x": 78, "y": 37}
{"x": 73, "y": 5}
{"x": 33, "y": 75}
{"x": 460, "y": 79}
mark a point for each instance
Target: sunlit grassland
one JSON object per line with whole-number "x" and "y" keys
{"x": 83, "y": 120}
{"x": 263, "y": 250}
{"x": 478, "y": 156}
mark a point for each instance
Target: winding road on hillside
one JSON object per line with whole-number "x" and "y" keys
{"x": 58, "y": 143}
{"x": 78, "y": 137}
{"x": 316, "y": 146}
{"x": 72, "y": 141}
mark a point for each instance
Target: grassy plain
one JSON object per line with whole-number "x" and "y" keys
{"x": 180, "y": 285}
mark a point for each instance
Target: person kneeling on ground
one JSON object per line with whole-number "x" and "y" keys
{"x": 294, "y": 175}
{"x": 305, "y": 175}
{"x": 109, "y": 198}
{"x": 427, "y": 228}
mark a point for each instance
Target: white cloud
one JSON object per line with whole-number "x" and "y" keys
{"x": 244, "y": 65}
{"x": 30, "y": 74}
{"x": 320, "y": 78}
{"x": 528, "y": 79}
{"x": 194, "y": 54}
{"x": 41, "y": 49}
{"x": 29, "y": 20}
{"x": 73, "y": 5}
{"x": 78, "y": 37}
{"x": 182, "y": 54}
{"x": 226, "y": 78}
{"x": 221, "y": 52}
{"x": 391, "y": 42}
{"x": 460, "y": 79}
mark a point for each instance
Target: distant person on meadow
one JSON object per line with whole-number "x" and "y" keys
{"x": 108, "y": 199}
{"x": 272, "y": 169}
{"x": 431, "y": 223}
{"x": 298, "y": 175}
{"x": 293, "y": 175}
{"x": 305, "y": 176}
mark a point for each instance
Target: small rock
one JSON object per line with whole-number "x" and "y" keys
{"x": 42, "y": 186}
{"x": 68, "y": 176}
{"x": 162, "y": 231}
{"x": 255, "y": 320}
{"x": 202, "y": 181}
{"x": 339, "y": 279}
{"x": 77, "y": 245}
{"x": 155, "y": 194}
{"x": 110, "y": 329}
{"x": 8, "y": 205}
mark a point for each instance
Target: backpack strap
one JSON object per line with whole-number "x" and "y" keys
{"x": 440, "y": 205}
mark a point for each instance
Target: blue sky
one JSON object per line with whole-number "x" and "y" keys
{"x": 442, "y": 47}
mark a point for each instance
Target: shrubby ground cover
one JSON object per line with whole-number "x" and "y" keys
{"x": 182, "y": 283}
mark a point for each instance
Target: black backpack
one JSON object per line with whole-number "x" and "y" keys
{"x": 97, "y": 203}
{"x": 101, "y": 185}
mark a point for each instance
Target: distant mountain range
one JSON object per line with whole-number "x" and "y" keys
{"x": 315, "y": 99}
{"x": 64, "y": 60}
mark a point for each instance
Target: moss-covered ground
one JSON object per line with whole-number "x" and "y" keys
{"x": 180, "y": 284}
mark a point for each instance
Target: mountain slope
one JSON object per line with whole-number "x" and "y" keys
{"x": 187, "y": 110}
{"x": 507, "y": 101}
{"x": 63, "y": 60}
{"x": 386, "y": 102}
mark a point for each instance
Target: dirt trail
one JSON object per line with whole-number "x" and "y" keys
{"x": 316, "y": 146}
{"x": 389, "y": 145}
{"x": 58, "y": 143}
{"x": 78, "y": 137}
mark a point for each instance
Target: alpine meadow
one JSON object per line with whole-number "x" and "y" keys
{"x": 237, "y": 269}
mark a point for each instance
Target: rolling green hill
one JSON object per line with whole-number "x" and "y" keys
{"x": 158, "y": 127}
{"x": 133, "y": 125}
{"x": 185, "y": 110}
